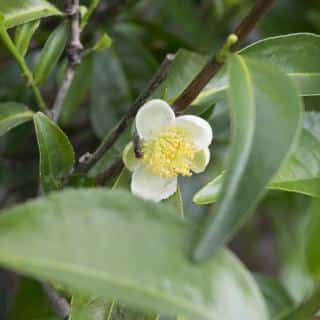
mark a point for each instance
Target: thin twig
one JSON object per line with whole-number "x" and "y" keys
{"x": 213, "y": 66}
{"x": 111, "y": 171}
{"x": 192, "y": 90}
{"x": 74, "y": 56}
{"x": 158, "y": 78}
{"x": 27, "y": 73}
{"x": 59, "y": 304}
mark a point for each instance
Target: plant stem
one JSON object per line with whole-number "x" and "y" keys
{"x": 74, "y": 56}
{"x": 213, "y": 65}
{"x": 158, "y": 78}
{"x": 23, "y": 66}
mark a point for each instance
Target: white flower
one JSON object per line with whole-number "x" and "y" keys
{"x": 170, "y": 146}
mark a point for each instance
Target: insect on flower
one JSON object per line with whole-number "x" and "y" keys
{"x": 170, "y": 145}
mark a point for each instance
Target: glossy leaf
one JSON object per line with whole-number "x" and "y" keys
{"x": 111, "y": 244}
{"x": 51, "y": 53}
{"x": 300, "y": 173}
{"x": 13, "y": 114}
{"x": 23, "y": 35}
{"x": 56, "y": 153}
{"x": 17, "y": 12}
{"x": 264, "y": 104}
{"x": 88, "y": 309}
{"x": 293, "y": 54}
{"x": 31, "y": 302}
{"x": 183, "y": 68}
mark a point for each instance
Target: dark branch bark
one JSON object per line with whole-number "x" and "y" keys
{"x": 122, "y": 124}
{"x": 213, "y": 66}
{"x": 74, "y": 56}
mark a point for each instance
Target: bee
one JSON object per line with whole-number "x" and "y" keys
{"x": 137, "y": 146}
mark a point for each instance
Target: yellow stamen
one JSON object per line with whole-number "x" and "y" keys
{"x": 169, "y": 154}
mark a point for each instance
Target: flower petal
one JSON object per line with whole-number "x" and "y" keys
{"x": 200, "y": 160}
{"x": 151, "y": 187}
{"x": 152, "y": 117}
{"x": 198, "y": 130}
{"x": 129, "y": 157}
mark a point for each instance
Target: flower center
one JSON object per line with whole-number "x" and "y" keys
{"x": 169, "y": 153}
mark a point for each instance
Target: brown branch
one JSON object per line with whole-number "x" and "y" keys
{"x": 74, "y": 56}
{"x": 158, "y": 78}
{"x": 111, "y": 171}
{"x": 213, "y": 66}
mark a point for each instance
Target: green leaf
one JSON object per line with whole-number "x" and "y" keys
{"x": 123, "y": 180}
{"x": 301, "y": 172}
{"x": 266, "y": 117}
{"x": 275, "y": 294}
{"x": 23, "y": 35}
{"x": 88, "y": 308}
{"x": 78, "y": 90}
{"x": 31, "y": 303}
{"x": 183, "y": 68}
{"x": 295, "y": 175}
{"x": 17, "y": 12}
{"x": 210, "y": 192}
{"x": 119, "y": 75}
{"x": 109, "y": 93}
{"x": 103, "y": 43}
{"x": 51, "y": 53}
{"x": 13, "y": 114}
{"x": 110, "y": 244}
{"x": 56, "y": 153}
{"x": 290, "y": 216}
{"x": 293, "y": 54}
{"x": 313, "y": 235}
{"x": 307, "y": 310}
{"x": 176, "y": 202}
